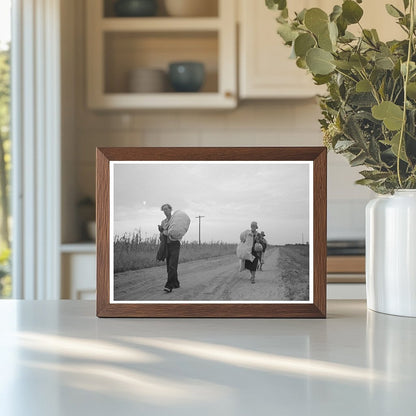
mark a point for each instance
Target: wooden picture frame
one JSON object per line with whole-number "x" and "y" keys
{"x": 150, "y": 163}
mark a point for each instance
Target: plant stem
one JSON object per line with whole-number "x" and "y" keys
{"x": 373, "y": 88}
{"x": 391, "y": 98}
{"x": 397, "y": 95}
{"x": 346, "y": 75}
{"x": 405, "y": 81}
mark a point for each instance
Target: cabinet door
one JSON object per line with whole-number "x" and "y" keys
{"x": 78, "y": 276}
{"x": 265, "y": 68}
{"x": 266, "y": 71}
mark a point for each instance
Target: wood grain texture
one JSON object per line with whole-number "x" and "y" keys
{"x": 317, "y": 309}
{"x": 212, "y": 153}
{"x": 319, "y": 229}
{"x": 346, "y": 264}
{"x": 103, "y": 230}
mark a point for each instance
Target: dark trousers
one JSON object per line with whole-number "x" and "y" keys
{"x": 172, "y": 260}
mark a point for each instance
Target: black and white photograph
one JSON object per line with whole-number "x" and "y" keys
{"x": 204, "y": 231}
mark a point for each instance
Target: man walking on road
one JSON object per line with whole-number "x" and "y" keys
{"x": 263, "y": 243}
{"x": 248, "y": 237}
{"x": 173, "y": 247}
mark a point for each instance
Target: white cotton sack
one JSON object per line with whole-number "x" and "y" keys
{"x": 244, "y": 251}
{"x": 178, "y": 225}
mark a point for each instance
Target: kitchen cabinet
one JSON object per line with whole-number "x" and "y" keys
{"x": 118, "y": 45}
{"x": 346, "y": 277}
{"x": 265, "y": 70}
{"x": 78, "y": 262}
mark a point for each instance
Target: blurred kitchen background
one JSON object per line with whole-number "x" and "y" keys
{"x": 118, "y": 88}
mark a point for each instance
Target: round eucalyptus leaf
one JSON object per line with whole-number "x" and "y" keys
{"x": 303, "y": 43}
{"x": 342, "y": 25}
{"x": 358, "y": 61}
{"x": 391, "y": 114}
{"x": 395, "y": 144}
{"x": 384, "y": 62}
{"x": 276, "y": 4}
{"x": 336, "y": 12}
{"x": 287, "y": 33}
{"x": 363, "y": 86}
{"x": 412, "y": 68}
{"x": 347, "y": 37}
{"x": 333, "y": 32}
{"x": 321, "y": 79}
{"x": 344, "y": 65}
{"x": 325, "y": 42}
{"x": 316, "y": 20}
{"x": 351, "y": 11}
{"x": 411, "y": 90}
{"x": 319, "y": 61}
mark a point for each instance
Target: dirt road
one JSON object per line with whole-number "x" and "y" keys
{"x": 217, "y": 278}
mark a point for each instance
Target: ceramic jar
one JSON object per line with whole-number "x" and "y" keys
{"x": 186, "y": 76}
{"x": 391, "y": 253}
{"x": 135, "y": 8}
{"x": 147, "y": 80}
{"x": 191, "y": 8}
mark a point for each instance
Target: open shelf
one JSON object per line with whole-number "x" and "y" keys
{"x": 210, "y": 9}
{"x": 127, "y": 51}
{"x": 116, "y": 46}
{"x": 160, "y": 24}
{"x": 157, "y": 101}
{"x": 87, "y": 247}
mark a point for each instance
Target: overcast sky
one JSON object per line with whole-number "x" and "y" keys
{"x": 229, "y": 196}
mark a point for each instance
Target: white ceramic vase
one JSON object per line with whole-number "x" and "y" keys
{"x": 391, "y": 253}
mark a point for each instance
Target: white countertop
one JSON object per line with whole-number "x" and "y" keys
{"x": 57, "y": 358}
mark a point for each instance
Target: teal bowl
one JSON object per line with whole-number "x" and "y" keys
{"x": 186, "y": 76}
{"x": 135, "y": 8}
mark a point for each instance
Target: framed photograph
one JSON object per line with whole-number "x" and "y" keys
{"x": 211, "y": 232}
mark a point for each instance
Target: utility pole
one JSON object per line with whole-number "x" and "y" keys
{"x": 199, "y": 219}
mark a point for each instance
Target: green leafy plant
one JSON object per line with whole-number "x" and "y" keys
{"x": 369, "y": 112}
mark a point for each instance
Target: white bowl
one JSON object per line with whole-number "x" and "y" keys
{"x": 191, "y": 8}
{"x": 147, "y": 80}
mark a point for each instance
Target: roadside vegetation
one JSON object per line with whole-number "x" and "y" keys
{"x": 294, "y": 263}
{"x": 132, "y": 252}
